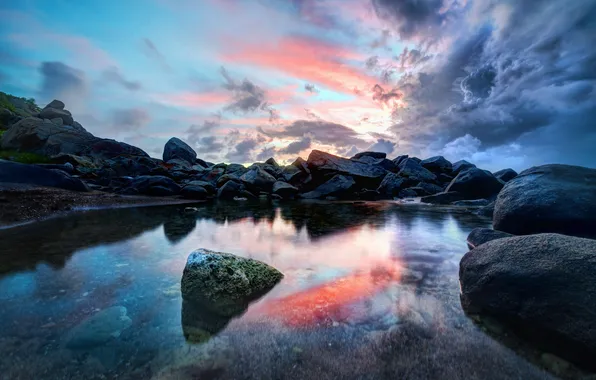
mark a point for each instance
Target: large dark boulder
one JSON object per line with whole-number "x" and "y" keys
{"x": 326, "y": 165}
{"x": 381, "y": 162}
{"x": 338, "y": 186}
{"x": 375, "y": 155}
{"x": 414, "y": 172}
{"x": 429, "y": 188}
{"x": 230, "y": 190}
{"x": 460, "y": 166}
{"x": 475, "y": 184}
{"x": 108, "y": 148}
{"x": 153, "y": 185}
{"x": 399, "y": 159}
{"x": 53, "y": 113}
{"x": 443, "y": 198}
{"x": 271, "y": 161}
{"x": 391, "y": 185}
{"x": 542, "y": 286}
{"x": 505, "y": 175}
{"x": 225, "y": 283}
{"x": 437, "y": 164}
{"x": 284, "y": 190}
{"x": 480, "y": 236}
{"x": 194, "y": 192}
{"x": 257, "y": 179}
{"x": 13, "y": 172}
{"x": 176, "y": 148}
{"x": 549, "y": 198}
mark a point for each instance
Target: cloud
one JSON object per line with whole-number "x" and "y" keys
{"x": 410, "y": 59}
{"x": 60, "y": 81}
{"x": 266, "y": 153}
{"x": 195, "y": 133}
{"x": 242, "y": 151}
{"x": 322, "y": 131}
{"x": 297, "y": 146}
{"x": 113, "y": 75}
{"x": 134, "y": 118}
{"x": 247, "y": 96}
{"x": 208, "y": 145}
{"x": 310, "y": 88}
{"x": 153, "y": 53}
{"x": 382, "y": 145}
{"x": 388, "y": 98}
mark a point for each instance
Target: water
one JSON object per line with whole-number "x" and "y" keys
{"x": 370, "y": 292}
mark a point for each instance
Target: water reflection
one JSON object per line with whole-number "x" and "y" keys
{"x": 370, "y": 291}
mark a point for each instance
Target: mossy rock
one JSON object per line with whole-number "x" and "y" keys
{"x": 226, "y": 283}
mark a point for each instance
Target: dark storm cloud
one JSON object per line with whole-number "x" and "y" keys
{"x": 319, "y": 130}
{"x": 243, "y": 150}
{"x": 113, "y": 75}
{"x": 207, "y": 144}
{"x": 266, "y": 153}
{"x": 411, "y": 58}
{"x": 382, "y": 145}
{"x": 515, "y": 83}
{"x": 133, "y": 118}
{"x": 196, "y": 133}
{"x": 247, "y": 96}
{"x": 297, "y": 146}
{"x": 61, "y": 81}
{"x": 153, "y": 53}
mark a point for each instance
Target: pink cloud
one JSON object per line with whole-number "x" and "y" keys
{"x": 308, "y": 59}
{"x": 192, "y": 99}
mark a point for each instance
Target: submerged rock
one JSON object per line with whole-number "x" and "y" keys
{"x": 543, "y": 286}
{"x": 482, "y": 235}
{"x": 99, "y": 328}
{"x": 225, "y": 283}
{"x": 549, "y": 198}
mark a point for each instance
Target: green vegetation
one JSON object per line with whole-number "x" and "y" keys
{"x": 5, "y": 102}
{"x": 23, "y": 157}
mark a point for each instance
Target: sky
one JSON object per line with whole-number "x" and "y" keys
{"x": 500, "y": 83}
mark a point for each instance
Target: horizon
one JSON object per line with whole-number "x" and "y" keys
{"x": 241, "y": 81}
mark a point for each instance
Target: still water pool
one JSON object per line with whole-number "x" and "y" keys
{"x": 370, "y": 292}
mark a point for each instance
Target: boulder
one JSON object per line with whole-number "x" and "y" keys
{"x": 194, "y": 192}
{"x": 374, "y": 155}
{"x": 337, "y": 186}
{"x": 487, "y": 210}
{"x": 443, "y": 198}
{"x": 542, "y": 286}
{"x": 204, "y": 184}
{"x": 153, "y": 185}
{"x": 391, "y": 185}
{"x": 225, "y": 283}
{"x": 444, "y": 178}
{"x": 414, "y": 172}
{"x": 53, "y": 113}
{"x": 325, "y": 165}
{"x": 399, "y": 159}
{"x": 108, "y": 148}
{"x": 549, "y": 198}
{"x": 99, "y": 329}
{"x": 368, "y": 195}
{"x": 471, "y": 203}
{"x": 460, "y": 166}
{"x": 475, "y": 183}
{"x": 271, "y": 161}
{"x": 257, "y": 179}
{"x": 381, "y": 162}
{"x": 505, "y": 175}
{"x": 176, "y": 148}
{"x": 437, "y": 164}
{"x": 203, "y": 163}
{"x": 483, "y": 235}
{"x": 284, "y": 190}
{"x": 429, "y": 188}
{"x": 230, "y": 190}
{"x": 408, "y": 193}
{"x": 225, "y": 178}
{"x": 236, "y": 169}
{"x": 13, "y": 172}
{"x": 57, "y": 104}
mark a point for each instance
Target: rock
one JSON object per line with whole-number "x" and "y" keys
{"x": 437, "y": 164}
{"x": 153, "y": 185}
{"x": 325, "y": 165}
{"x": 58, "y": 121}
{"x": 391, "y": 185}
{"x": 471, "y": 203}
{"x": 177, "y": 164}
{"x": 284, "y": 190}
{"x": 381, "y": 162}
{"x": 211, "y": 175}
{"x": 13, "y": 172}
{"x": 107, "y": 148}
{"x": 258, "y": 179}
{"x": 57, "y": 104}
{"x": 53, "y": 113}
{"x": 505, "y": 175}
{"x": 176, "y": 148}
{"x": 271, "y": 161}
{"x": 225, "y": 283}
{"x": 549, "y": 198}
{"x": 375, "y": 155}
{"x": 337, "y": 186}
{"x": 482, "y": 235}
{"x": 414, "y": 172}
{"x": 230, "y": 190}
{"x": 204, "y": 184}
{"x": 7, "y": 118}
{"x": 444, "y": 198}
{"x": 475, "y": 183}
{"x": 225, "y": 178}
{"x": 399, "y": 159}
{"x": 407, "y": 193}
{"x": 194, "y": 192}
{"x": 301, "y": 164}
{"x": 543, "y": 286}
{"x": 275, "y": 171}
{"x": 461, "y": 166}
{"x": 67, "y": 167}
{"x": 98, "y": 329}
{"x": 200, "y": 323}
{"x": 236, "y": 169}
{"x": 203, "y": 163}
{"x": 368, "y": 195}
{"x": 429, "y": 188}
{"x": 444, "y": 178}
